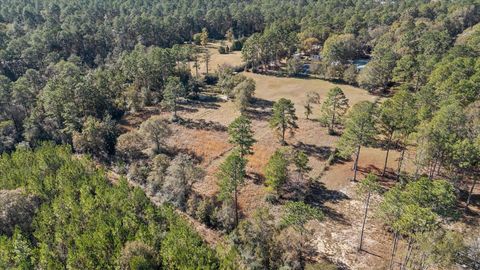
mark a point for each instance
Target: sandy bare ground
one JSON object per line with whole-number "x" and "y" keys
{"x": 203, "y": 133}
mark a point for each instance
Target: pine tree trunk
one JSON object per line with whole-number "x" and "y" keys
{"x": 300, "y": 255}
{"x": 394, "y": 250}
{"x": 388, "y": 151}
{"x": 174, "y": 111}
{"x": 236, "y": 207}
{"x": 333, "y": 117}
{"x": 400, "y": 162}
{"x": 364, "y": 221}
{"x": 409, "y": 252}
{"x": 355, "y": 165}
{"x": 470, "y": 193}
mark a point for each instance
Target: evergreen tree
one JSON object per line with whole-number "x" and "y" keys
{"x": 231, "y": 176}
{"x": 174, "y": 90}
{"x": 241, "y": 135}
{"x": 276, "y": 171}
{"x": 283, "y": 118}
{"x": 359, "y": 131}
{"x": 366, "y": 187}
{"x": 396, "y": 117}
{"x": 300, "y": 160}
{"x": 333, "y": 108}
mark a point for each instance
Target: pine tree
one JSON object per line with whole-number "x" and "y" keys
{"x": 334, "y": 107}
{"x": 276, "y": 171}
{"x": 366, "y": 187}
{"x": 359, "y": 131}
{"x": 283, "y": 118}
{"x": 231, "y": 176}
{"x": 241, "y": 135}
{"x": 174, "y": 90}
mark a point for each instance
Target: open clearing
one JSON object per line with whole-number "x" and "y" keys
{"x": 203, "y": 133}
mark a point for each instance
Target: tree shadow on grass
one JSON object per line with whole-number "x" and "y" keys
{"x": 202, "y": 124}
{"x": 318, "y": 194}
{"x": 321, "y": 152}
{"x": 257, "y": 178}
{"x": 260, "y": 109}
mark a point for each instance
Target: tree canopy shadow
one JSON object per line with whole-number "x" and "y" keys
{"x": 202, "y": 124}
{"x": 318, "y": 194}
{"x": 257, "y": 178}
{"x": 321, "y": 152}
{"x": 260, "y": 109}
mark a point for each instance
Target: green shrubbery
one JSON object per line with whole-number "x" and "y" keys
{"x": 85, "y": 221}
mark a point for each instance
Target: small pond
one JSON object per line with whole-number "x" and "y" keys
{"x": 361, "y": 63}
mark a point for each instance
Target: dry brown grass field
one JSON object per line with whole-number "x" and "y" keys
{"x": 203, "y": 133}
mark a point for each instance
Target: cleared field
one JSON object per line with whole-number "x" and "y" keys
{"x": 217, "y": 59}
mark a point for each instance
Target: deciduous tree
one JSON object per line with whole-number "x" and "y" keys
{"x": 312, "y": 98}
{"x": 156, "y": 130}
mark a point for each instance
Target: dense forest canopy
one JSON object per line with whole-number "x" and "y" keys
{"x": 71, "y": 70}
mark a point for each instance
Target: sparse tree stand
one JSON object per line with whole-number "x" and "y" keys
{"x": 283, "y": 118}
{"x": 360, "y": 131}
{"x": 334, "y": 107}
{"x": 231, "y": 176}
{"x": 366, "y": 187}
{"x": 174, "y": 90}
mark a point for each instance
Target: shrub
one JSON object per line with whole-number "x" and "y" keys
{"x": 237, "y": 45}
{"x": 350, "y": 75}
{"x": 137, "y": 255}
{"x": 130, "y": 145}
{"x": 197, "y": 38}
{"x": 223, "y": 50}
{"x": 294, "y": 67}
{"x": 211, "y": 79}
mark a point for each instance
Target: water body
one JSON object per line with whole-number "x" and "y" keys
{"x": 361, "y": 63}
